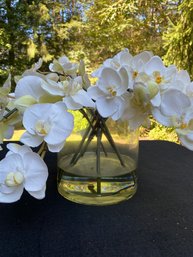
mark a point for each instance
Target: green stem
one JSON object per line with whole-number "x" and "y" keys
{"x": 97, "y": 123}
{"x": 43, "y": 149}
{"x": 98, "y": 168}
{"x": 10, "y": 113}
{"x": 111, "y": 141}
{"x": 83, "y": 149}
{"x": 74, "y": 158}
{"x": 91, "y": 124}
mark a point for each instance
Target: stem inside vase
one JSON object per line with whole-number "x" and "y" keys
{"x": 99, "y": 169}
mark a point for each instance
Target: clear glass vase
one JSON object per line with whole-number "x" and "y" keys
{"x": 98, "y": 163}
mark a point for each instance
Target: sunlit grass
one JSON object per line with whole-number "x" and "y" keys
{"x": 16, "y": 136}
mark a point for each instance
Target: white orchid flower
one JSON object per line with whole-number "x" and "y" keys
{"x": 4, "y": 92}
{"x": 34, "y": 72}
{"x": 174, "y": 105}
{"x": 137, "y": 65}
{"x": 184, "y": 128}
{"x": 6, "y": 123}
{"x": 184, "y": 83}
{"x": 176, "y": 111}
{"x": 64, "y": 66}
{"x": 22, "y": 169}
{"x": 183, "y": 76}
{"x": 138, "y": 106}
{"x": 36, "y": 66}
{"x": 47, "y": 122}
{"x": 5, "y": 89}
{"x": 154, "y": 73}
{"x": 108, "y": 92}
{"x": 29, "y": 91}
{"x": 186, "y": 138}
{"x": 6, "y": 131}
{"x": 19, "y": 149}
{"x": 30, "y": 86}
{"x": 158, "y": 73}
{"x": 135, "y": 116}
{"x": 120, "y": 59}
{"x": 134, "y": 64}
{"x": 74, "y": 96}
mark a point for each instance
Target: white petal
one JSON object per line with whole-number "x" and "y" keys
{"x": 144, "y": 56}
{"x": 57, "y": 135}
{"x": 38, "y": 194}
{"x": 9, "y": 132}
{"x": 36, "y": 172}
{"x": 125, "y": 81}
{"x": 83, "y": 98}
{"x": 63, "y": 59}
{"x": 136, "y": 122}
{"x": 154, "y": 64}
{"x": 52, "y": 87}
{"x": 64, "y": 121}
{"x": 62, "y": 125}
{"x": 19, "y": 149}
{"x": 130, "y": 111}
{"x": 186, "y": 142}
{"x": 6, "y": 189}
{"x": 109, "y": 77}
{"x": 120, "y": 108}
{"x": 12, "y": 197}
{"x": 164, "y": 120}
{"x": 170, "y": 72}
{"x": 183, "y": 76}
{"x": 29, "y": 85}
{"x": 71, "y": 104}
{"x": 31, "y": 140}
{"x": 30, "y": 72}
{"x": 97, "y": 72}
{"x": 55, "y": 148}
{"x": 190, "y": 136}
{"x": 188, "y": 115}
{"x": 156, "y": 101}
{"x": 106, "y": 107}
{"x": 52, "y": 76}
{"x": 94, "y": 92}
{"x": 10, "y": 164}
{"x": 56, "y": 67}
{"x": 34, "y": 113}
{"x": 125, "y": 57}
{"x": 174, "y": 102}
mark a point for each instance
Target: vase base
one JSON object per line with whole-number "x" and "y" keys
{"x": 100, "y": 200}
{"x": 80, "y": 183}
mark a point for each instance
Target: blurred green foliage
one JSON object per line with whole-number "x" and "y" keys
{"x": 178, "y": 38}
{"x": 157, "y": 131}
{"x": 80, "y": 123}
{"x": 94, "y": 30}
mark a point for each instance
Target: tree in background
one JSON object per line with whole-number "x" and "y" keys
{"x": 178, "y": 39}
{"x": 33, "y": 29}
{"x": 138, "y": 25}
{"x": 93, "y": 30}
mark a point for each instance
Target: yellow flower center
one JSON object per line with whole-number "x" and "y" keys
{"x": 157, "y": 76}
{"x": 112, "y": 91}
{"x": 14, "y": 179}
{"x": 135, "y": 74}
{"x": 42, "y": 128}
{"x": 183, "y": 125}
{"x": 158, "y": 79}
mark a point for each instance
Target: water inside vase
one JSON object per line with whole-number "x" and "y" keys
{"x": 81, "y": 183}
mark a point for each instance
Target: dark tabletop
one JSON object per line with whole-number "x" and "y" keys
{"x": 157, "y": 221}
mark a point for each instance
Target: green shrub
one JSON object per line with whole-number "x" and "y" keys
{"x": 159, "y": 132}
